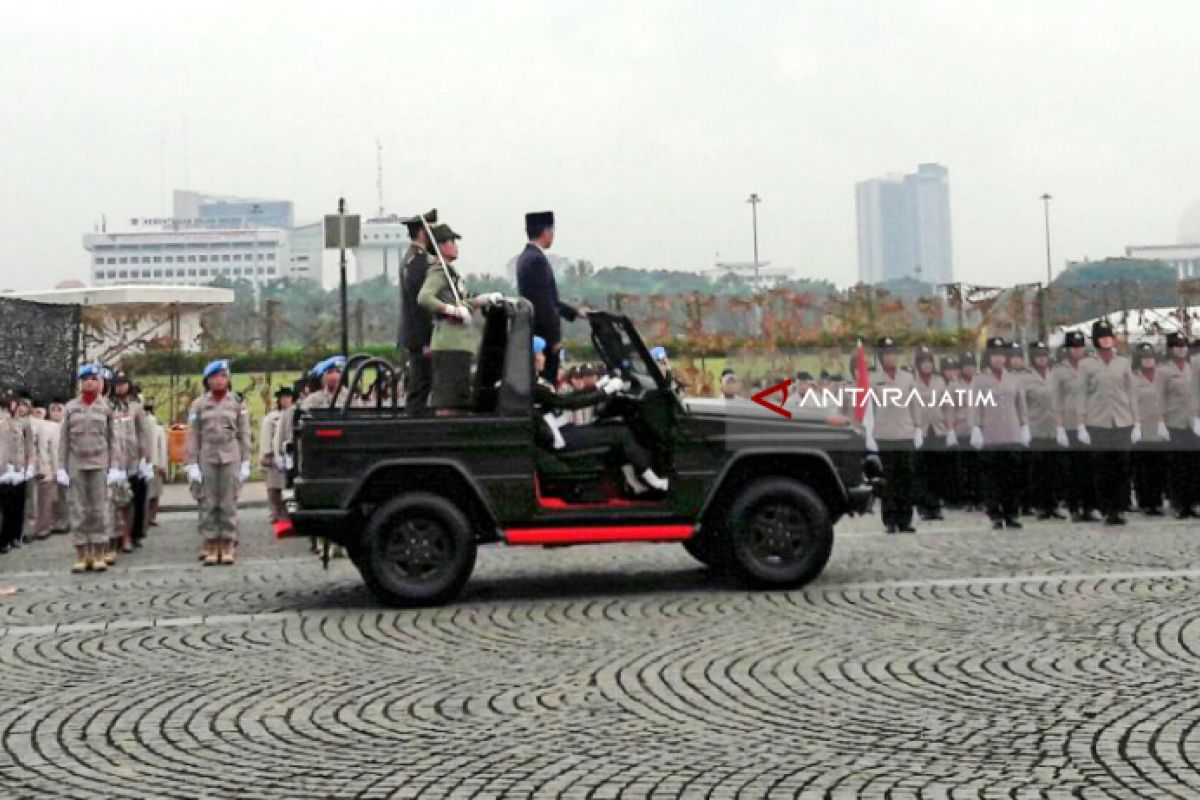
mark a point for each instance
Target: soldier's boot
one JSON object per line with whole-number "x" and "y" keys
{"x": 227, "y": 552}
{"x": 212, "y": 553}
{"x": 99, "y": 551}
{"x": 109, "y": 556}
{"x": 81, "y": 560}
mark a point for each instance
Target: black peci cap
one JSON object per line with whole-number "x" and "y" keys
{"x": 950, "y": 362}
{"x": 996, "y": 344}
{"x": 1176, "y": 339}
{"x": 923, "y": 354}
{"x": 1100, "y": 328}
{"x": 967, "y": 359}
{"x": 886, "y": 344}
{"x": 414, "y": 223}
{"x": 1074, "y": 339}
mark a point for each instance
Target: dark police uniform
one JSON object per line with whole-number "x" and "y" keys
{"x": 536, "y": 283}
{"x": 416, "y": 324}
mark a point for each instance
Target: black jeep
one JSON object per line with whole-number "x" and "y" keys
{"x": 411, "y": 498}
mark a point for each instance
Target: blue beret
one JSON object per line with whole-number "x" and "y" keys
{"x": 213, "y": 367}
{"x": 319, "y": 368}
{"x": 88, "y": 371}
{"x": 333, "y": 362}
{"x": 658, "y": 353}
{"x": 539, "y": 344}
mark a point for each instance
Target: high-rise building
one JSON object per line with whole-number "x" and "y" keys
{"x": 904, "y": 227}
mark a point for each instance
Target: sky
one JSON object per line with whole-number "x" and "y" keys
{"x": 644, "y": 126}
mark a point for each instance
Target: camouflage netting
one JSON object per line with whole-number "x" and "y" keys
{"x": 39, "y": 348}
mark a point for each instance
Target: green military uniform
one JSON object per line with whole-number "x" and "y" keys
{"x": 453, "y": 343}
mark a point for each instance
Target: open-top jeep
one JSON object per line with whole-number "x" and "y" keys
{"x": 411, "y": 498}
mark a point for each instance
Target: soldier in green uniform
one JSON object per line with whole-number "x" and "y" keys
{"x": 217, "y": 458}
{"x": 455, "y": 337}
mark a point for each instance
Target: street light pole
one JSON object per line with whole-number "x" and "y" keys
{"x": 754, "y": 201}
{"x": 1046, "y": 208}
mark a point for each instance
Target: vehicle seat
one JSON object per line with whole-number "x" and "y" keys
{"x": 573, "y": 465}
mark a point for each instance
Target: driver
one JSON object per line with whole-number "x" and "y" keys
{"x": 557, "y": 432}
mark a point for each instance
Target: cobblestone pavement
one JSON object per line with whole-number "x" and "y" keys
{"x": 1057, "y": 661}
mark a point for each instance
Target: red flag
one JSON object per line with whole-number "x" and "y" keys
{"x": 862, "y": 380}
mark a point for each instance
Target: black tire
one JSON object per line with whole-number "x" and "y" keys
{"x": 417, "y": 550}
{"x": 776, "y": 535}
{"x": 700, "y": 547}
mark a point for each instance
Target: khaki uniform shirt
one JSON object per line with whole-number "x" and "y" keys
{"x": 1040, "y": 403}
{"x": 1149, "y": 395}
{"x": 1110, "y": 400}
{"x": 266, "y": 439}
{"x": 960, "y": 413}
{"x": 1069, "y": 392}
{"x": 894, "y": 421}
{"x": 934, "y": 416}
{"x": 85, "y": 440}
{"x": 1001, "y": 417}
{"x": 218, "y": 431}
{"x": 20, "y": 449}
{"x": 1180, "y": 401}
{"x": 47, "y": 437}
{"x": 135, "y": 437}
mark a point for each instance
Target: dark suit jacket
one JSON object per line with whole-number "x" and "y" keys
{"x": 535, "y": 282}
{"x": 416, "y": 324}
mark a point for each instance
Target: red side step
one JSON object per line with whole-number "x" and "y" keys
{"x": 599, "y": 534}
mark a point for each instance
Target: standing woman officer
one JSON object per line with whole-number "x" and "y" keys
{"x": 218, "y": 461}
{"x": 87, "y": 466}
{"x": 454, "y": 341}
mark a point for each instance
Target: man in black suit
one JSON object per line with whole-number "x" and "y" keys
{"x": 535, "y": 282}
{"x": 416, "y": 325}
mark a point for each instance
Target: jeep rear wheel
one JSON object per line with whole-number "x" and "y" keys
{"x": 777, "y": 534}
{"x": 418, "y": 549}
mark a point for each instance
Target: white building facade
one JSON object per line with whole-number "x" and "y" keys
{"x": 184, "y": 256}
{"x": 1183, "y": 258}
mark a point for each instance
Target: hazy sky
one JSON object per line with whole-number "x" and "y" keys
{"x": 644, "y": 125}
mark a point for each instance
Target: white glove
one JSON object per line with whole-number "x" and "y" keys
{"x": 872, "y": 445}
{"x": 951, "y": 439}
{"x": 1163, "y": 433}
{"x": 1135, "y": 435}
{"x": 194, "y": 475}
{"x": 612, "y": 386}
{"x": 1084, "y": 437}
{"x": 30, "y": 471}
{"x": 1196, "y": 426}
{"x": 918, "y": 439}
{"x": 9, "y": 477}
{"x": 1060, "y": 436}
{"x": 1026, "y": 435}
{"x": 63, "y": 478}
{"x": 145, "y": 470}
{"x": 977, "y": 437}
{"x": 491, "y": 298}
{"x": 462, "y": 314}
{"x": 244, "y": 472}
{"x": 286, "y": 461}
{"x": 115, "y": 475}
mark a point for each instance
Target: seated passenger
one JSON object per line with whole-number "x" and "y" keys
{"x": 557, "y": 432}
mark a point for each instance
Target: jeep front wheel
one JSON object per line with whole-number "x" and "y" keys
{"x": 418, "y": 549}
{"x": 777, "y": 534}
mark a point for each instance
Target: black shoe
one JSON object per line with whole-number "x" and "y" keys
{"x": 1184, "y": 513}
{"x": 1086, "y": 516}
{"x": 1114, "y": 519}
{"x": 1152, "y": 512}
{"x": 1056, "y": 514}
{"x": 1013, "y": 523}
{"x": 906, "y": 528}
{"x": 1044, "y": 515}
{"x": 997, "y": 524}
{"x": 889, "y": 528}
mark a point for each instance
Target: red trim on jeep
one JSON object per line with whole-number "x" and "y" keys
{"x": 557, "y": 503}
{"x": 599, "y": 534}
{"x": 283, "y": 528}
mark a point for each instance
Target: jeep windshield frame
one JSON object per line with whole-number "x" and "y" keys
{"x": 620, "y": 346}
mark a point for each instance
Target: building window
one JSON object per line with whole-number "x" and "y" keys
{"x": 122, "y": 260}
{"x": 112, "y": 273}
{"x": 270, "y": 256}
{"x": 123, "y": 274}
{"x": 158, "y": 259}
{"x": 100, "y": 275}
{"x": 145, "y": 259}
{"x": 204, "y": 272}
{"x": 99, "y": 260}
{"x": 191, "y": 259}
{"x": 237, "y": 256}
{"x": 203, "y": 259}
{"x": 270, "y": 270}
{"x": 170, "y": 273}
{"x": 225, "y": 257}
